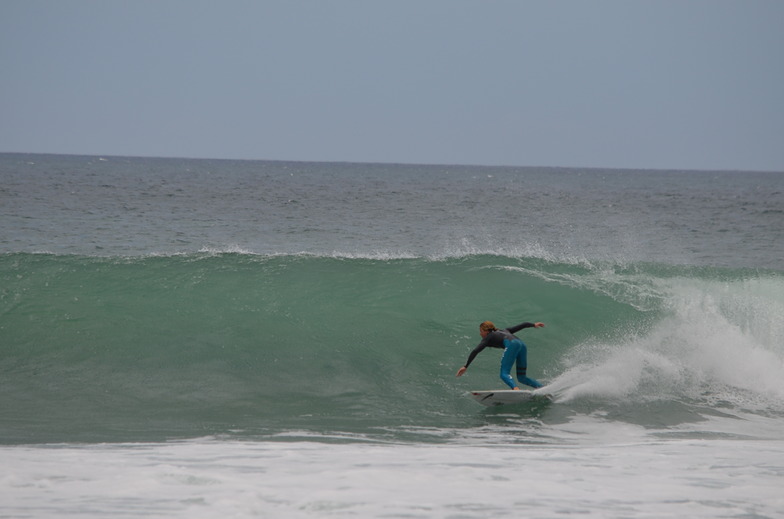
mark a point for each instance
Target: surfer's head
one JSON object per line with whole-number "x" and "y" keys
{"x": 486, "y": 327}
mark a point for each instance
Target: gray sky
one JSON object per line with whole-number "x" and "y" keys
{"x": 676, "y": 84}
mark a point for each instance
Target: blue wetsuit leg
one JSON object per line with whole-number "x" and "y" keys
{"x": 511, "y": 350}
{"x": 522, "y": 367}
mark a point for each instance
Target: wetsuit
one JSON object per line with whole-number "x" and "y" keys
{"x": 514, "y": 351}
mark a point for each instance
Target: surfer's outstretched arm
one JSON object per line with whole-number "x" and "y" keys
{"x": 482, "y": 345}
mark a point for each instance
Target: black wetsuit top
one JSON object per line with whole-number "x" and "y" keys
{"x": 496, "y": 338}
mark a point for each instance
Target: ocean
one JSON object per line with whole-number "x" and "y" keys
{"x": 215, "y": 338}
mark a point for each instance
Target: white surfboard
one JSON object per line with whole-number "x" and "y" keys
{"x": 506, "y": 396}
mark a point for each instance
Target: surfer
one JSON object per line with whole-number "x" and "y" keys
{"x": 514, "y": 351}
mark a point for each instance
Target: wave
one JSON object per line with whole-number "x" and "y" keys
{"x": 190, "y": 344}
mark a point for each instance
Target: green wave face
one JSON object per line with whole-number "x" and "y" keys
{"x": 113, "y": 349}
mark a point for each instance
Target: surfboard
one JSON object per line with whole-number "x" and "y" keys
{"x": 506, "y": 396}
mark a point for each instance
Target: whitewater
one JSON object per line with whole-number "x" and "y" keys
{"x": 198, "y": 338}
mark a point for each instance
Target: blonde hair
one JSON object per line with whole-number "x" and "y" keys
{"x": 487, "y": 326}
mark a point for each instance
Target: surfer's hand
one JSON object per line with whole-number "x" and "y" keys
{"x": 461, "y": 371}
{"x": 538, "y": 325}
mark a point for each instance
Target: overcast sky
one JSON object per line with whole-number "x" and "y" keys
{"x": 674, "y": 84}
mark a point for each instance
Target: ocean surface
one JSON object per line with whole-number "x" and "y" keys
{"x": 211, "y": 338}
